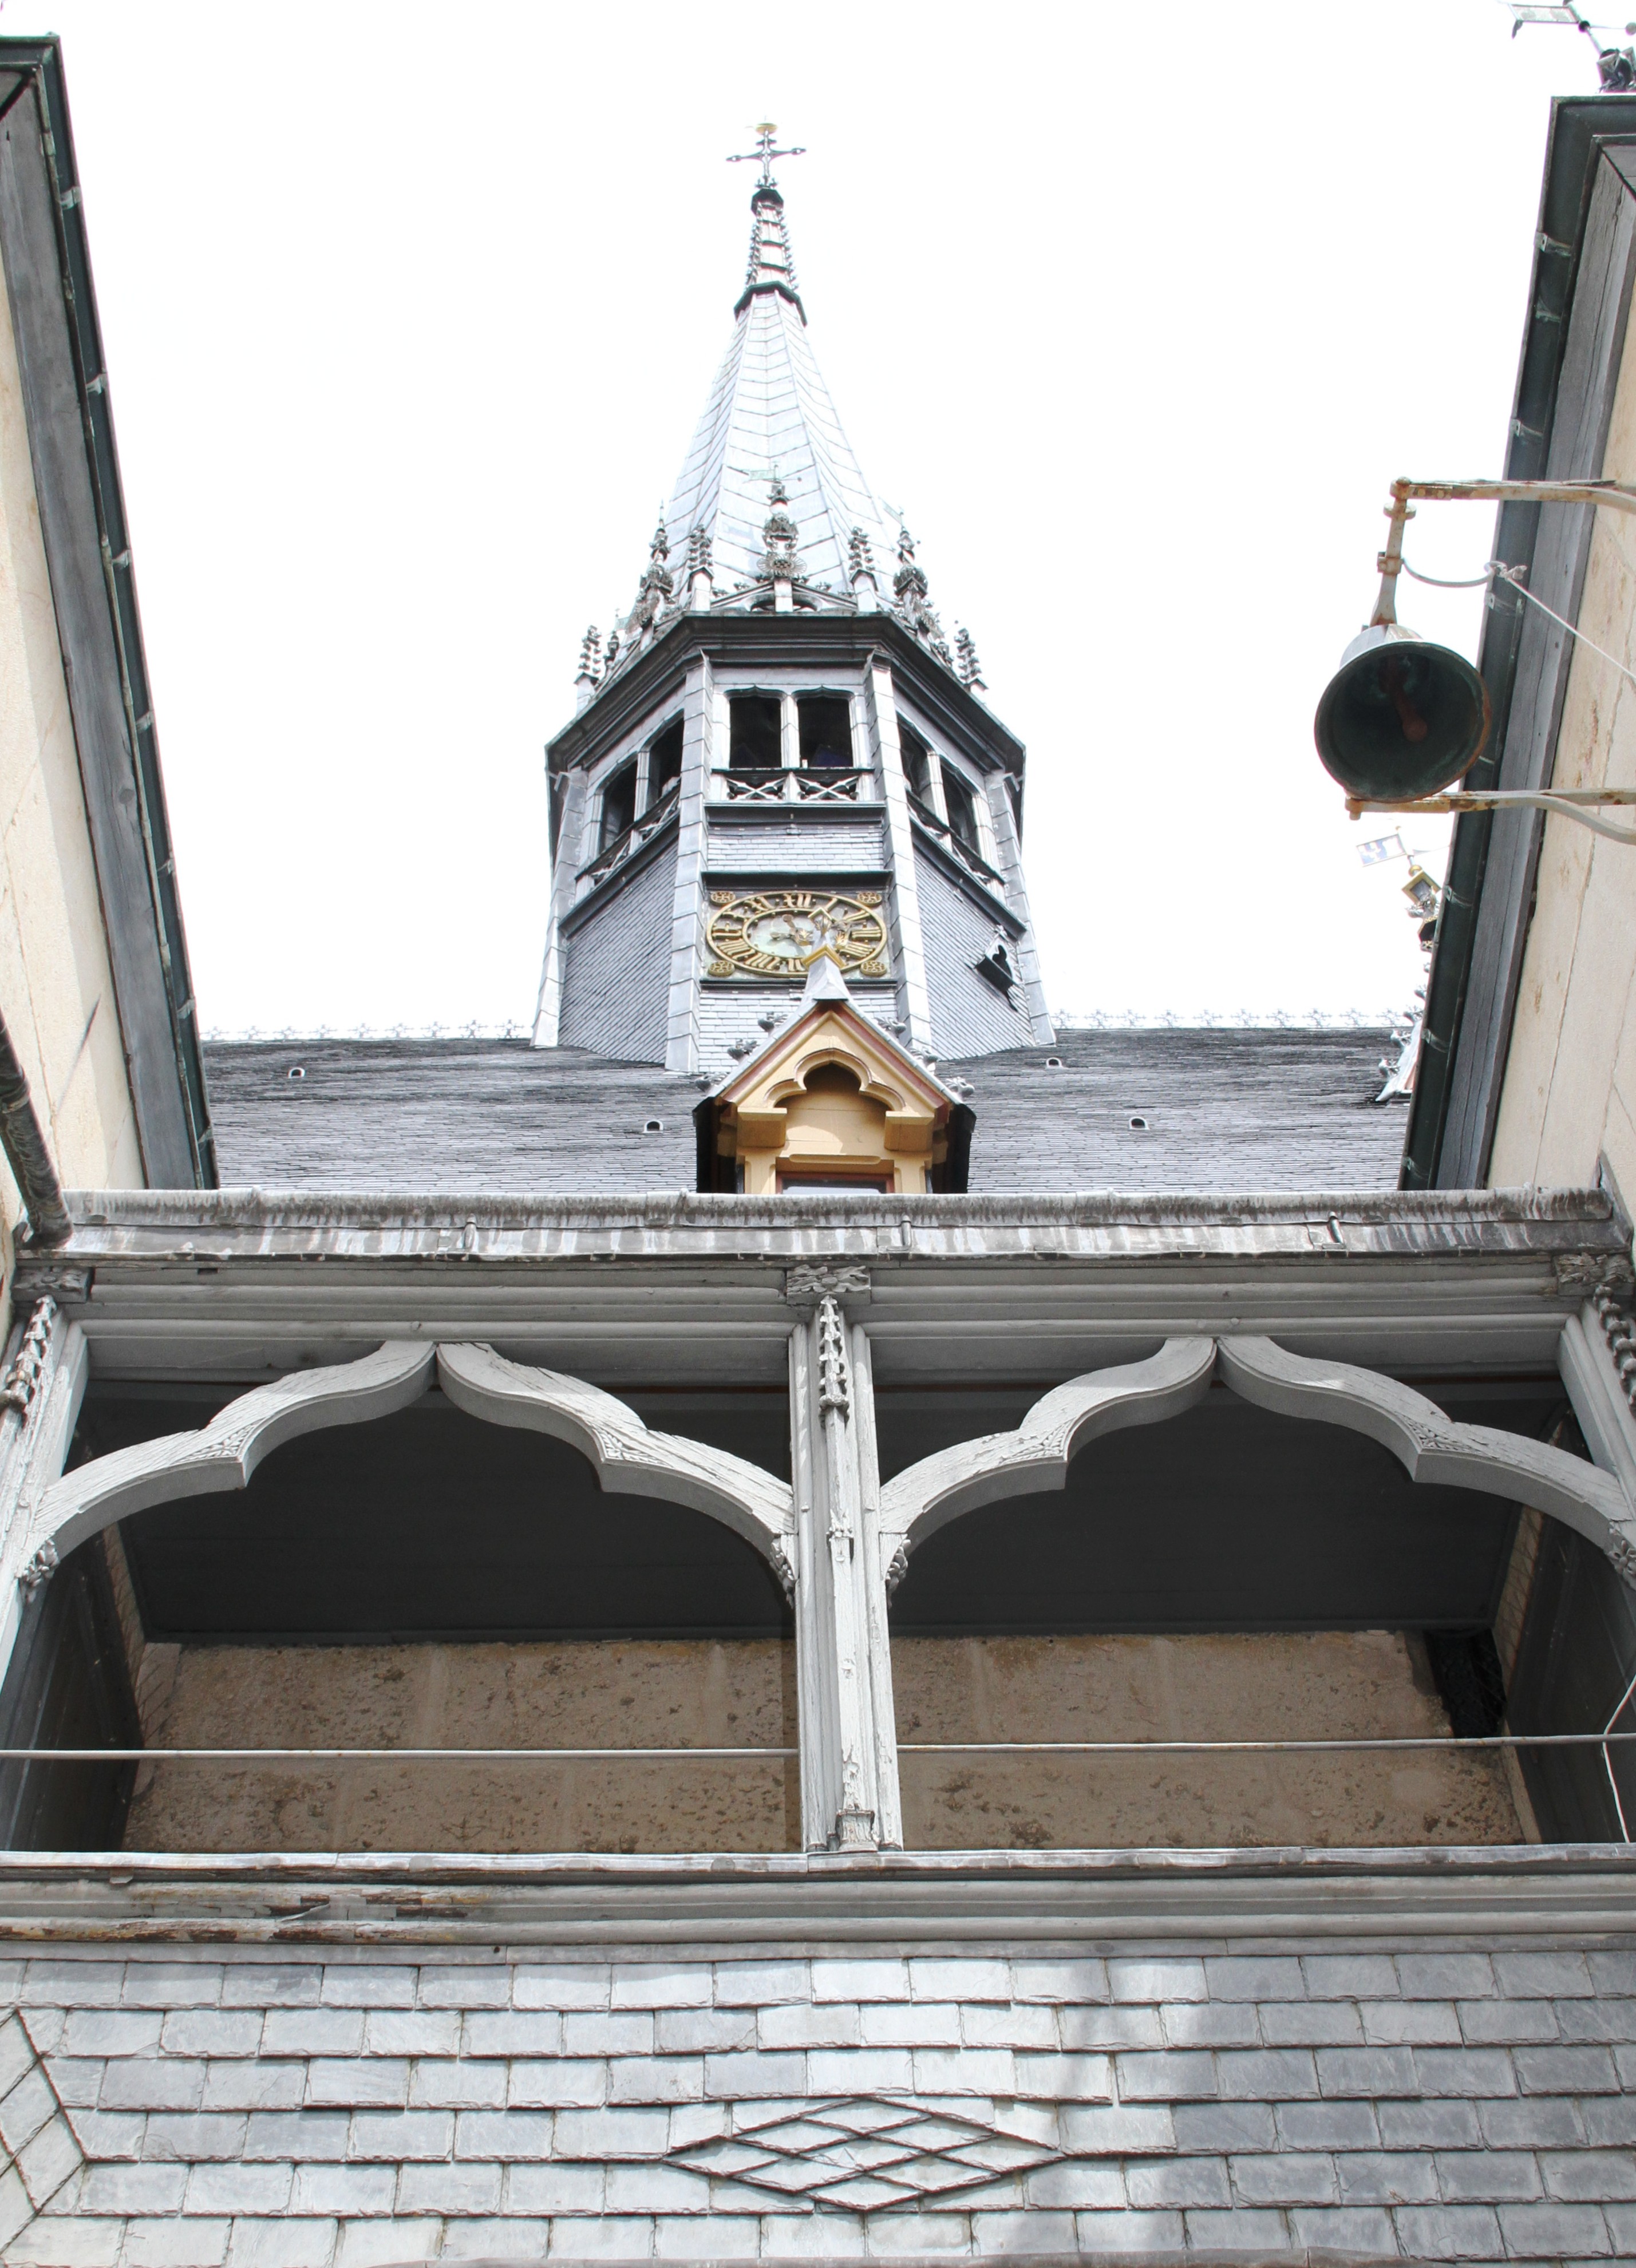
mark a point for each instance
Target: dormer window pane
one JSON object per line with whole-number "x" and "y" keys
{"x": 962, "y": 807}
{"x": 917, "y": 762}
{"x": 826, "y": 731}
{"x": 756, "y": 736}
{"x": 619, "y": 804}
{"x": 664, "y": 762}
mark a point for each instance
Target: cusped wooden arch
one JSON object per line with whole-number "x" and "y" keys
{"x": 226, "y": 1452}
{"x": 917, "y": 1503}
{"x": 627, "y": 1456}
{"x": 1430, "y": 1446}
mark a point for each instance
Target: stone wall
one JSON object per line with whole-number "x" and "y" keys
{"x": 740, "y": 1693}
{"x": 270, "y": 2105}
{"x": 615, "y": 1693}
{"x": 1267, "y": 1685}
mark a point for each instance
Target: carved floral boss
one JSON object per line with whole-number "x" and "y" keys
{"x": 781, "y": 933}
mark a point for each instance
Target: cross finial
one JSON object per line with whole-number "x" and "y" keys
{"x": 764, "y": 153}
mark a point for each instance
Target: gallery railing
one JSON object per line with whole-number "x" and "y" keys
{"x": 623, "y": 846}
{"x": 819, "y": 784}
{"x": 968, "y": 855}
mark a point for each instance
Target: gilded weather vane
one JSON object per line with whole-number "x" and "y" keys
{"x": 764, "y": 153}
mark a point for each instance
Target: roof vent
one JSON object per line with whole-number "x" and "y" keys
{"x": 1139, "y": 1125}
{"x": 298, "y": 1071}
{"x": 654, "y": 1126}
{"x": 1053, "y": 1063}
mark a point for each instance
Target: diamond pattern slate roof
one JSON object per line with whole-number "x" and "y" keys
{"x": 1268, "y": 1110}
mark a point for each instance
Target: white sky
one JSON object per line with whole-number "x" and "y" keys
{"x": 1135, "y": 311}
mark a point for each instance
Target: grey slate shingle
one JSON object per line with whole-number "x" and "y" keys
{"x": 1227, "y": 1110}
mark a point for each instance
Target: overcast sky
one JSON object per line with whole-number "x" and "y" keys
{"x": 1135, "y": 311}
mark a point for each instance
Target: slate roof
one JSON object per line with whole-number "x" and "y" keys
{"x": 770, "y": 409}
{"x": 1272, "y": 1111}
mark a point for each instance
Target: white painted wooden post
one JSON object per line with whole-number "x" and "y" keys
{"x": 682, "y": 1037}
{"x": 842, "y": 1795}
{"x": 873, "y": 1562}
{"x": 904, "y": 903}
{"x": 41, "y": 1393}
{"x": 789, "y": 747}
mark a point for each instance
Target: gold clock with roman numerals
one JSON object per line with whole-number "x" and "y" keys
{"x": 781, "y": 932}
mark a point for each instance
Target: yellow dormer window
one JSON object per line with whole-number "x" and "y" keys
{"x": 833, "y": 1103}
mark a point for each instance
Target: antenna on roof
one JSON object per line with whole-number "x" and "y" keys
{"x": 1615, "y": 67}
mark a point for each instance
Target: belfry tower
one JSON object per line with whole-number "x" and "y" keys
{"x": 778, "y": 754}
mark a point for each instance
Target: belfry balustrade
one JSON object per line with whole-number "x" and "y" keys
{"x": 935, "y": 1586}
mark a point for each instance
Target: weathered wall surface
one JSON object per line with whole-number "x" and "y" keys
{"x": 196, "y": 2105}
{"x": 1570, "y": 1085}
{"x": 742, "y": 1694}
{"x": 969, "y": 1016}
{"x": 617, "y": 978}
{"x": 602, "y": 1694}
{"x": 1316, "y": 1685}
{"x": 57, "y": 989}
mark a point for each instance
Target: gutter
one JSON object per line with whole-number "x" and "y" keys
{"x": 1578, "y": 128}
{"x": 39, "y": 62}
{"x": 26, "y": 1151}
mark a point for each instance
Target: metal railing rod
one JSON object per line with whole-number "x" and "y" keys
{"x": 1259, "y": 1747}
{"x": 367, "y": 1756}
{"x": 905, "y": 1748}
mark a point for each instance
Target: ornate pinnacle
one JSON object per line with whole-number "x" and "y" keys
{"x": 657, "y": 585}
{"x": 590, "y": 669}
{"x": 969, "y": 668}
{"x": 909, "y": 580}
{"x": 910, "y": 584}
{"x": 782, "y": 560}
{"x": 859, "y": 556}
{"x": 701, "y": 568}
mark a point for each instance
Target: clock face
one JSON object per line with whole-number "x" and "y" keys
{"x": 781, "y": 933}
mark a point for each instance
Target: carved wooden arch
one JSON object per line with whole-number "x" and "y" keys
{"x": 630, "y": 1459}
{"x": 1036, "y": 1457}
{"x": 224, "y": 1454}
{"x": 1430, "y": 1446}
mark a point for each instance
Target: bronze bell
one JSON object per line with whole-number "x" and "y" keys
{"x": 1400, "y": 718}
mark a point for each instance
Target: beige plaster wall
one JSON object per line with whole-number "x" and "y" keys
{"x": 1318, "y": 1685}
{"x": 56, "y": 991}
{"x": 1569, "y": 1095}
{"x": 609, "y": 1693}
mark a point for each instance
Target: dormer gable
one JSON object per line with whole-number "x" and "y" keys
{"x": 832, "y": 1101}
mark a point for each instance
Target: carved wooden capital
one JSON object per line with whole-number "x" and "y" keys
{"x": 805, "y": 1285}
